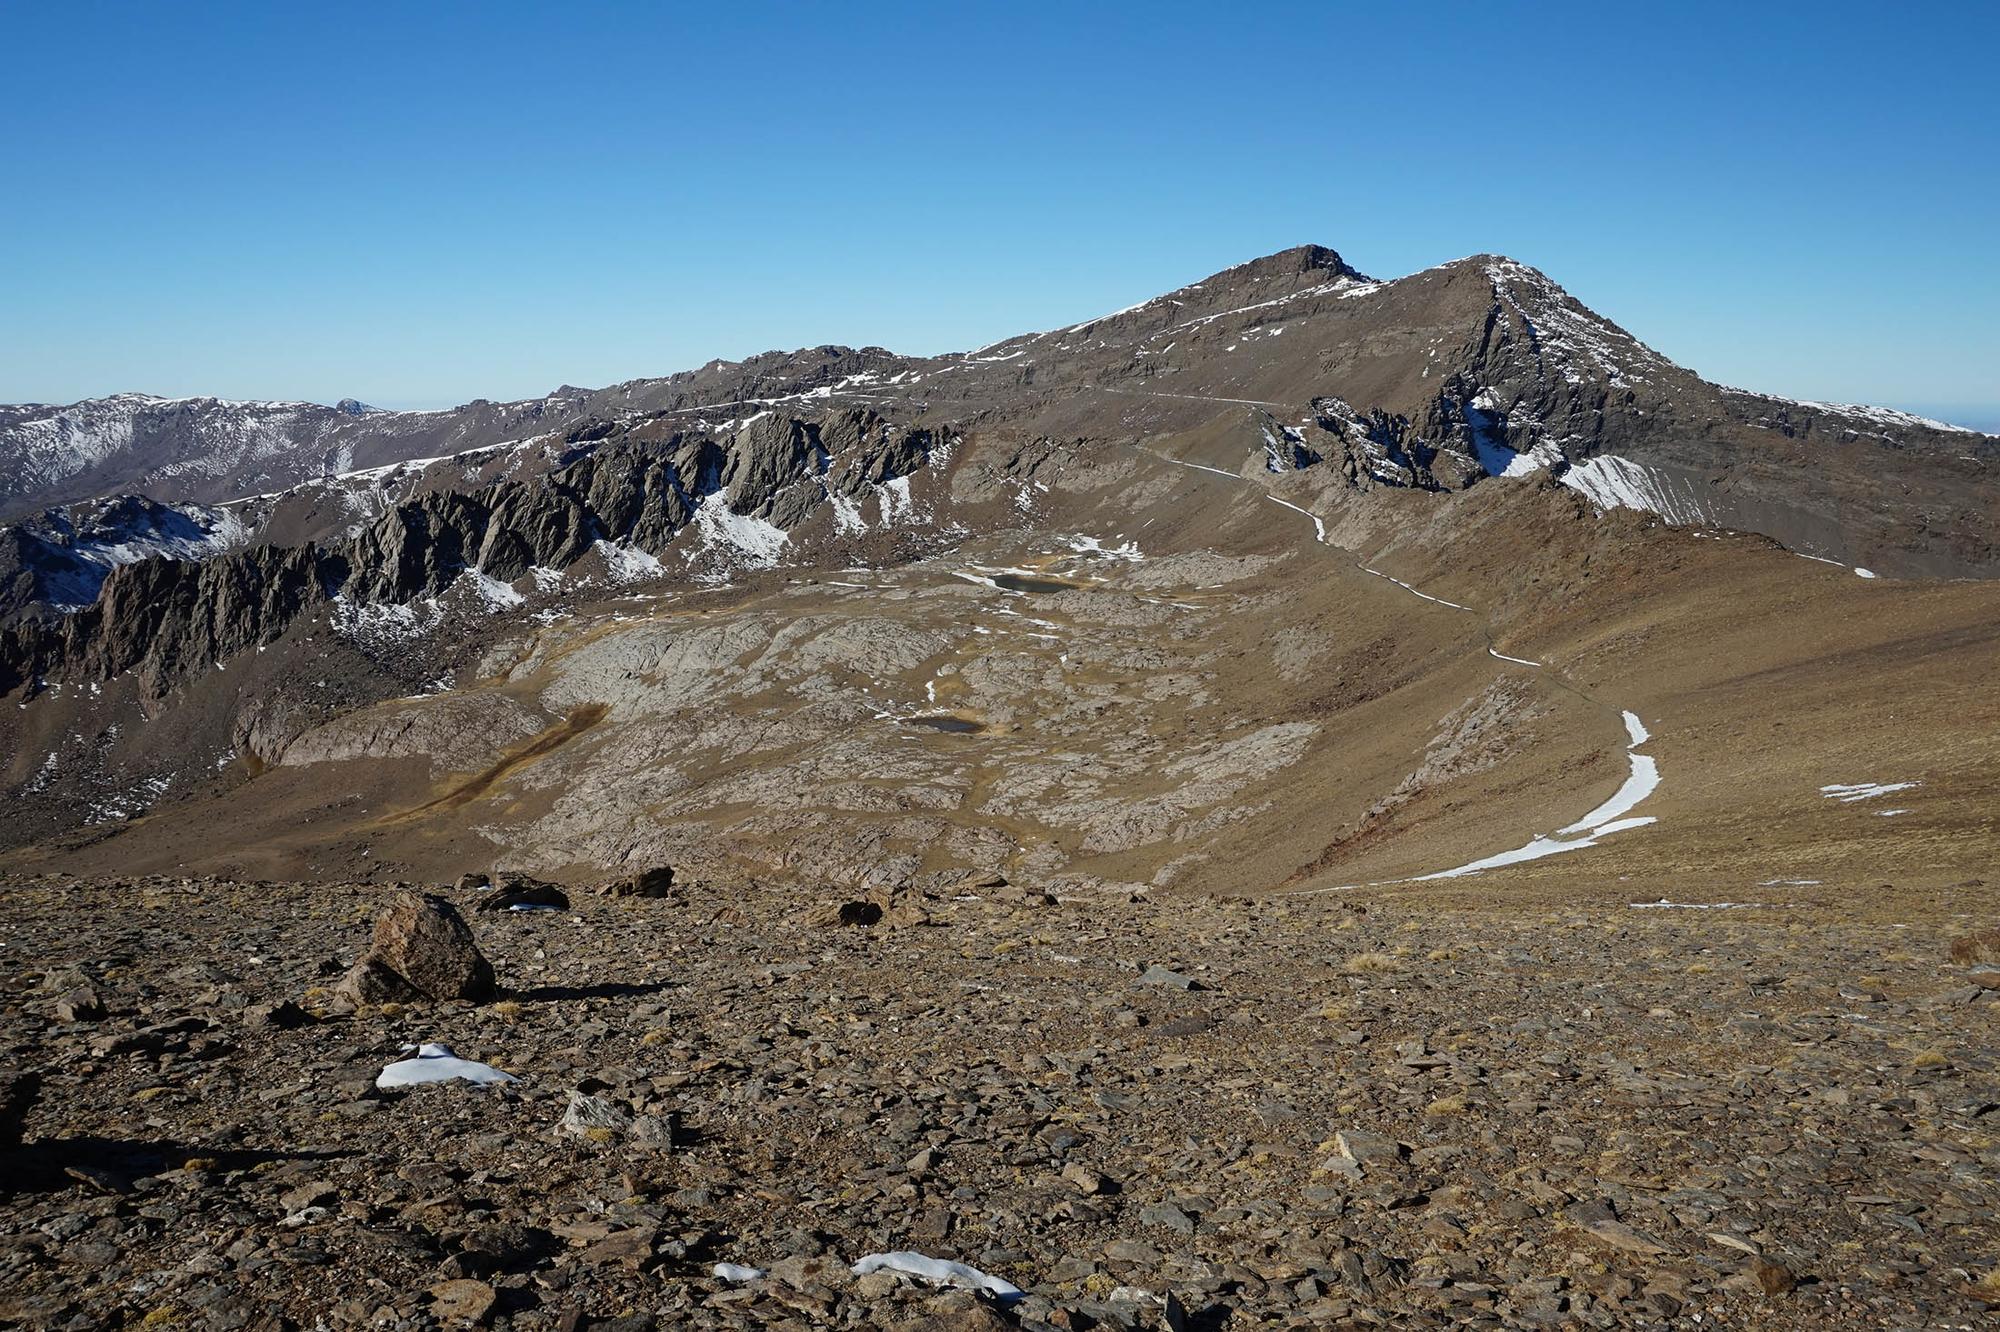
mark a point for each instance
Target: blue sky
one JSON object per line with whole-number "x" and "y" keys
{"x": 421, "y": 204}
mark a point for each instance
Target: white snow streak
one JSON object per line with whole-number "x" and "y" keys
{"x": 1601, "y": 822}
{"x": 1611, "y": 482}
{"x": 1849, "y": 792}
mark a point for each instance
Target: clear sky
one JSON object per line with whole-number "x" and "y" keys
{"x": 418, "y": 204}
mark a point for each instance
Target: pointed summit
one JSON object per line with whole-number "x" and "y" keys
{"x": 1301, "y": 266}
{"x": 1317, "y": 260}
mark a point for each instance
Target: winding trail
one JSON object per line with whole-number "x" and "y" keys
{"x": 1613, "y": 816}
{"x": 1608, "y": 818}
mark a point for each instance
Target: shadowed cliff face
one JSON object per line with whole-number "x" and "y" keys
{"x": 638, "y": 488}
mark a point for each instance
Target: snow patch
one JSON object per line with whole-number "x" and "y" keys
{"x": 378, "y": 625}
{"x": 1495, "y": 457}
{"x": 937, "y": 1272}
{"x": 1664, "y": 905}
{"x": 437, "y": 1063}
{"x": 847, "y": 519}
{"x": 1611, "y": 482}
{"x": 1849, "y": 792}
{"x": 627, "y": 564}
{"x": 1090, "y": 545}
{"x": 897, "y": 505}
{"x": 719, "y": 526}
{"x": 493, "y": 594}
{"x": 1606, "y": 819}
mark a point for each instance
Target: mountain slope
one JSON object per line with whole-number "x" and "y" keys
{"x": 1287, "y": 580}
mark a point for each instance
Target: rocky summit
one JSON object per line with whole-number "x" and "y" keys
{"x": 1312, "y": 801}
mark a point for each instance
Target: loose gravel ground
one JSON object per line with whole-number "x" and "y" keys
{"x": 1326, "y": 1112}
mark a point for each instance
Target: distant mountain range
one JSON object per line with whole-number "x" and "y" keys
{"x": 1473, "y": 373}
{"x": 1477, "y": 366}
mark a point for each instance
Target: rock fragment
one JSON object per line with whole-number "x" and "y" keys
{"x": 463, "y": 1300}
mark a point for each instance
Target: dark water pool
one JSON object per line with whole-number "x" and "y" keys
{"x": 955, "y": 725}
{"x": 1030, "y": 583}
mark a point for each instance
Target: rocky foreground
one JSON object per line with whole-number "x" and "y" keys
{"x": 1359, "y": 1110}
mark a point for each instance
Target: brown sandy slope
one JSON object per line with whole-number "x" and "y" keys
{"x": 1244, "y": 710}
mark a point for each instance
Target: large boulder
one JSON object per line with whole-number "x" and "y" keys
{"x": 505, "y": 892}
{"x": 422, "y": 949}
{"x": 655, "y": 882}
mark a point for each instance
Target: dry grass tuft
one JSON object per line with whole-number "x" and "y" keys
{"x": 1363, "y": 963}
{"x": 1929, "y": 1059}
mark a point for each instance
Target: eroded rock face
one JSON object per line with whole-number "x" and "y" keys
{"x": 641, "y": 484}
{"x": 422, "y": 949}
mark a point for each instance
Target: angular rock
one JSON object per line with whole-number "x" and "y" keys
{"x": 1361, "y": 1146}
{"x": 594, "y": 1117}
{"x": 1773, "y": 1278}
{"x": 463, "y": 1300}
{"x": 523, "y": 892}
{"x": 655, "y": 882}
{"x": 284, "y": 1015}
{"x": 423, "y": 949}
{"x": 832, "y": 915}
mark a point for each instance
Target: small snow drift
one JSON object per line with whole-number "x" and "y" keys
{"x": 1849, "y": 792}
{"x": 437, "y": 1063}
{"x": 937, "y": 1272}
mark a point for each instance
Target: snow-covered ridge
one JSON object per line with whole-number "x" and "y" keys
{"x": 1887, "y": 418}
{"x": 79, "y": 549}
{"x": 1560, "y": 324}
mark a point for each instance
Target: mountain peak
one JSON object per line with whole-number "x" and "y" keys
{"x": 1317, "y": 261}
{"x": 1307, "y": 258}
